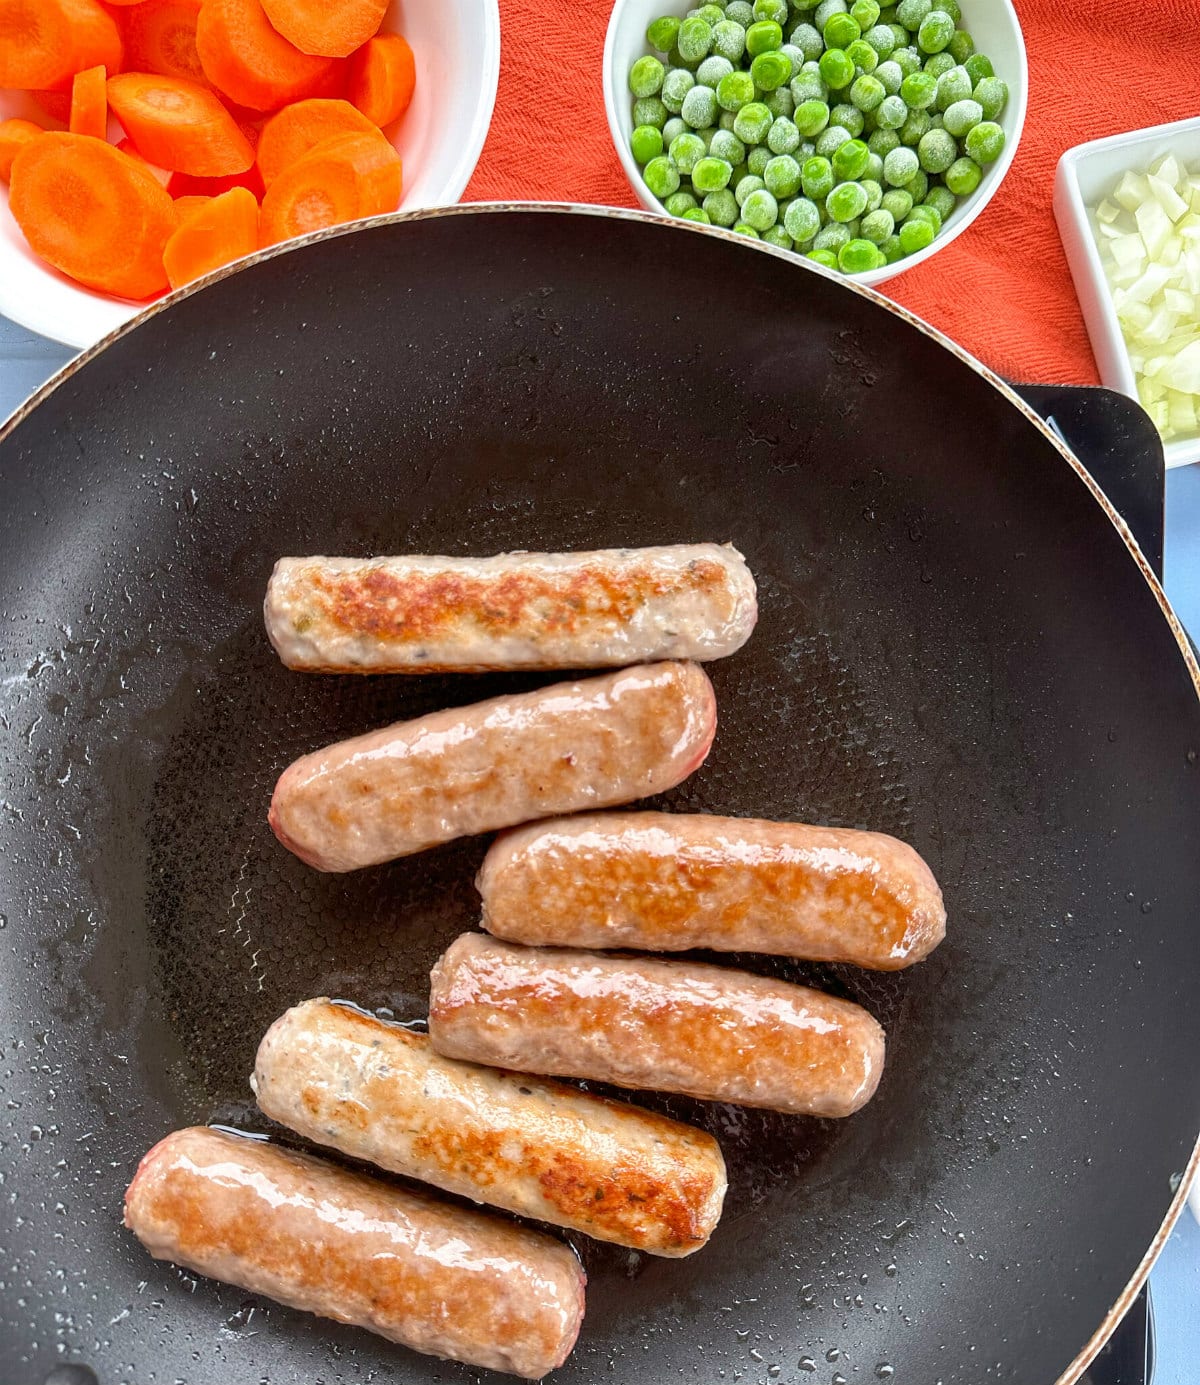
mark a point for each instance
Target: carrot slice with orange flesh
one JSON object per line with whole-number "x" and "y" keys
{"x": 15, "y": 134}
{"x": 179, "y": 124}
{"x": 89, "y": 104}
{"x": 184, "y": 206}
{"x": 162, "y": 176}
{"x": 56, "y": 104}
{"x": 330, "y": 28}
{"x": 43, "y": 43}
{"x": 93, "y": 213}
{"x": 342, "y": 179}
{"x": 160, "y": 36}
{"x": 224, "y": 229}
{"x": 293, "y": 131}
{"x": 245, "y": 58}
{"x": 383, "y": 74}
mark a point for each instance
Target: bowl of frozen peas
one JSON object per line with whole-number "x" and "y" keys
{"x": 859, "y": 136}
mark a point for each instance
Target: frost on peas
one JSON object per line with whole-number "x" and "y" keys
{"x": 918, "y": 91}
{"x": 745, "y": 186}
{"x": 952, "y": 86}
{"x": 830, "y": 140}
{"x": 961, "y": 118}
{"x": 725, "y": 122}
{"x": 801, "y": 219}
{"x": 874, "y": 194}
{"x": 783, "y": 137}
{"x": 908, "y": 60}
{"x": 937, "y": 151}
{"x": 832, "y": 236}
{"x": 649, "y": 110}
{"x": 938, "y": 64}
{"x": 936, "y": 121}
{"x": 735, "y": 91}
{"x": 680, "y": 202}
{"x": 913, "y": 128}
{"x": 673, "y": 128}
{"x": 825, "y": 9}
{"x": 661, "y": 33}
{"x": 713, "y": 12}
{"x": 776, "y": 235}
{"x": 865, "y": 13}
{"x": 897, "y": 202}
{"x": 782, "y": 176}
{"x": 686, "y": 151}
{"x": 874, "y": 170}
{"x": 950, "y": 7}
{"x": 816, "y": 178}
{"x": 941, "y": 199}
{"x": 711, "y": 175}
{"x": 661, "y": 176}
{"x": 985, "y": 142}
{"x": 881, "y": 38}
{"x": 758, "y": 159}
{"x": 729, "y": 40}
{"x": 726, "y": 145}
{"x": 752, "y": 123}
{"x": 808, "y": 40}
{"x": 695, "y": 39}
{"x": 721, "y": 207}
{"x": 811, "y": 118}
{"x": 961, "y": 46}
{"x": 775, "y": 10}
{"x": 863, "y": 56}
{"x": 712, "y": 69}
{"x": 779, "y": 102}
{"x": 910, "y": 13}
{"x": 699, "y": 107}
{"x": 877, "y": 226}
{"x": 892, "y": 113}
{"x": 807, "y": 150}
{"x": 676, "y": 85}
{"x": 917, "y": 187}
{"x": 889, "y": 77}
{"x": 741, "y": 12}
{"x": 866, "y": 94}
{"x": 900, "y": 167}
{"x": 646, "y": 77}
{"x": 761, "y": 210}
{"x": 882, "y": 142}
{"x": 979, "y": 66}
{"x": 808, "y": 86}
{"x": 991, "y": 93}
{"x": 849, "y": 117}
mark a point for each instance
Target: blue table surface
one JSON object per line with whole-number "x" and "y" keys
{"x": 27, "y": 360}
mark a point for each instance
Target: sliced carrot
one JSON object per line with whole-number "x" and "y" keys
{"x": 382, "y": 75}
{"x": 160, "y": 36}
{"x": 43, "y": 43}
{"x": 56, "y": 104}
{"x": 162, "y": 176}
{"x": 179, "y": 124}
{"x": 293, "y": 131}
{"x": 93, "y": 213}
{"x": 342, "y": 179}
{"x": 14, "y": 136}
{"x": 185, "y": 185}
{"x": 184, "y": 206}
{"x": 224, "y": 229}
{"x": 245, "y": 58}
{"x": 329, "y": 28}
{"x": 89, "y": 104}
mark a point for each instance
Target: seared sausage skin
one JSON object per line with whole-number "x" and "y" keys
{"x": 644, "y": 1022}
{"x": 667, "y": 882}
{"x": 439, "y": 1279}
{"x": 473, "y": 769}
{"x": 377, "y": 1092}
{"x": 601, "y": 609}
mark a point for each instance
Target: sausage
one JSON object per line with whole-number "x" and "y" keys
{"x": 667, "y": 882}
{"x": 514, "y": 611}
{"x": 440, "y": 1279}
{"x": 644, "y": 1022}
{"x": 472, "y": 769}
{"x": 377, "y": 1092}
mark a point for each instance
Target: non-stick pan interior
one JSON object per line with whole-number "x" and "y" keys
{"x": 955, "y": 646}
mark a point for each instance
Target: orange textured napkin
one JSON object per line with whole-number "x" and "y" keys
{"x": 1002, "y": 289}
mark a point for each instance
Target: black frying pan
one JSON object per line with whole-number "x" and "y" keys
{"x": 958, "y": 644}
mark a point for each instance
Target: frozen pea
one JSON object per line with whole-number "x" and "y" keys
{"x": 991, "y": 93}
{"x": 752, "y": 123}
{"x": 846, "y": 201}
{"x": 779, "y": 102}
{"x": 950, "y": 7}
{"x": 985, "y": 142}
{"x": 743, "y": 228}
{"x": 825, "y": 9}
{"x": 782, "y": 176}
{"x": 935, "y": 33}
{"x": 867, "y": 92}
{"x": 707, "y": 136}
{"x": 771, "y": 70}
{"x": 887, "y": 14}
{"x": 911, "y": 13}
{"x": 831, "y": 139}
{"x": 736, "y": 175}
{"x": 900, "y": 167}
{"x": 745, "y": 186}
{"x": 741, "y": 12}
{"x": 936, "y": 120}
{"x": 680, "y": 202}
{"x": 891, "y": 113}
{"x": 698, "y": 214}
{"x": 889, "y": 76}
{"x": 710, "y": 175}
{"x": 725, "y": 120}
{"x": 649, "y": 110}
{"x": 877, "y": 226}
{"x": 700, "y": 107}
{"x": 938, "y": 64}
{"x": 918, "y": 91}
{"x": 760, "y": 209}
{"x": 857, "y": 256}
{"x": 763, "y": 36}
{"x": 646, "y": 77}
{"x": 758, "y": 159}
{"x": 961, "y": 46}
{"x": 890, "y": 249}
{"x": 721, "y": 206}
{"x": 808, "y": 86}
{"x": 865, "y": 13}
{"x": 686, "y": 151}
{"x": 850, "y": 161}
{"x": 897, "y": 202}
{"x": 979, "y": 66}
{"x": 882, "y": 142}
{"x": 808, "y": 40}
{"x": 674, "y": 127}
{"x": 645, "y": 143}
{"x": 917, "y": 186}
{"x": 832, "y": 236}
{"x": 908, "y": 60}
{"x": 661, "y": 176}
{"x": 961, "y": 118}
{"x": 789, "y": 50}
{"x": 914, "y": 127}
{"x": 837, "y": 69}
{"x": 812, "y": 117}
{"x": 924, "y": 212}
{"x": 823, "y": 257}
{"x": 874, "y": 193}
{"x": 916, "y": 235}
{"x": 801, "y": 219}
{"x": 840, "y": 31}
{"x": 729, "y": 40}
{"x": 863, "y": 56}
{"x": 676, "y": 85}
{"x": 694, "y": 40}
{"x": 882, "y": 39}
{"x": 661, "y": 33}
{"x": 774, "y": 10}
{"x": 783, "y": 137}
{"x": 735, "y": 90}
{"x": 726, "y": 145}
{"x": 941, "y": 199}
{"x": 807, "y": 150}
{"x": 712, "y": 69}
{"x": 937, "y": 150}
{"x": 874, "y": 171}
{"x": 816, "y": 178}
{"x": 849, "y": 117}
{"x": 952, "y": 86}
{"x": 776, "y": 235}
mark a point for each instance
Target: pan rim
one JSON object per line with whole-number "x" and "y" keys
{"x": 1125, "y": 1299}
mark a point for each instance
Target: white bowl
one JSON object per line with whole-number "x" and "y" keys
{"x": 1086, "y": 174}
{"x": 456, "y": 44}
{"x": 992, "y": 23}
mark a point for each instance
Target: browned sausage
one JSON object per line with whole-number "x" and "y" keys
{"x": 436, "y": 1278}
{"x": 667, "y": 882}
{"x": 569, "y": 746}
{"x": 644, "y": 1022}
{"x": 377, "y": 1092}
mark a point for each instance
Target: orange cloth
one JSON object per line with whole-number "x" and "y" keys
{"x": 1002, "y": 289}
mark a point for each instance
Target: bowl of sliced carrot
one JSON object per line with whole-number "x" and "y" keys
{"x": 147, "y": 143}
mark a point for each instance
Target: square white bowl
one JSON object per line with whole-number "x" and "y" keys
{"x": 1086, "y": 174}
